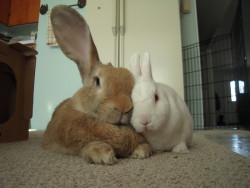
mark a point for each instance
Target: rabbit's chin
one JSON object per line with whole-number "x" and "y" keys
{"x": 140, "y": 128}
{"x": 116, "y": 120}
{"x": 111, "y": 115}
{"x": 123, "y": 122}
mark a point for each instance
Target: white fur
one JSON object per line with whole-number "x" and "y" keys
{"x": 166, "y": 124}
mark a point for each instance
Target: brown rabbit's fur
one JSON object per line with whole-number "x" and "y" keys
{"x": 92, "y": 122}
{"x": 73, "y": 127}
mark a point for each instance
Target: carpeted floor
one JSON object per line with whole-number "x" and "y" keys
{"x": 26, "y": 164}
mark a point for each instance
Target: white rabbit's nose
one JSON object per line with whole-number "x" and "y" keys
{"x": 145, "y": 122}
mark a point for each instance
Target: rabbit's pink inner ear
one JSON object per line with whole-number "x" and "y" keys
{"x": 146, "y": 69}
{"x": 73, "y": 36}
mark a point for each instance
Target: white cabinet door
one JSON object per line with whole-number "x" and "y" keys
{"x": 99, "y": 16}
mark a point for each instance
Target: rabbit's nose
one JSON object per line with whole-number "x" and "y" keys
{"x": 145, "y": 122}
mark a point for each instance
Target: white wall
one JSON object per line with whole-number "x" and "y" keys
{"x": 155, "y": 27}
{"x": 189, "y": 26}
{"x": 192, "y": 67}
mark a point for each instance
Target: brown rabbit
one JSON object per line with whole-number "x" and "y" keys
{"x": 94, "y": 123}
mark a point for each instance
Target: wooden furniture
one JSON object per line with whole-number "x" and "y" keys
{"x": 31, "y": 45}
{"x": 17, "y": 72}
{"x": 16, "y": 12}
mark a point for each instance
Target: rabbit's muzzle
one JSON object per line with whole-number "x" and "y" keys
{"x": 124, "y": 118}
{"x": 117, "y": 111}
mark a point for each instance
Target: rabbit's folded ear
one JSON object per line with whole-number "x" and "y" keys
{"x": 135, "y": 65}
{"x": 74, "y": 37}
{"x": 146, "y": 70}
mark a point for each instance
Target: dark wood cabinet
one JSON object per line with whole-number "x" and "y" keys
{"x": 16, "y": 12}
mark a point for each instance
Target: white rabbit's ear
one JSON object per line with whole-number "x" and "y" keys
{"x": 74, "y": 37}
{"x": 135, "y": 65}
{"x": 146, "y": 70}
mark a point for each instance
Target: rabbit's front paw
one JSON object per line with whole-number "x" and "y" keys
{"x": 99, "y": 153}
{"x": 141, "y": 151}
{"x": 180, "y": 148}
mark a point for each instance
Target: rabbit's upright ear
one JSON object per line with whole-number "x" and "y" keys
{"x": 146, "y": 69}
{"x": 74, "y": 37}
{"x": 135, "y": 65}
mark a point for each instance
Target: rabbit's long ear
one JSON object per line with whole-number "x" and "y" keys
{"x": 135, "y": 65}
{"x": 74, "y": 37}
{"x": 146, "y": 70}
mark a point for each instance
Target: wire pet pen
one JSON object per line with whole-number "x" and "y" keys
{"x": 216, "y": 80}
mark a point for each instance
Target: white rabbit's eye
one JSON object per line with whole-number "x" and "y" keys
{"x": 156, "y": 97}
{"x": 97, "y": 81}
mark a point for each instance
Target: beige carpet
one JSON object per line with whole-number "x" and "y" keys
{"x": 26, "y": 164}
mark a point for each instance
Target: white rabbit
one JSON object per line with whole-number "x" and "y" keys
{"x": 159, "y": 113}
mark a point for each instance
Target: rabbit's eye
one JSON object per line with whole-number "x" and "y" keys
{"x": 97, "y": 81}
{"x": 156, "y": 97}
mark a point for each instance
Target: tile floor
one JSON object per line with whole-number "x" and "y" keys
{"x": 236, "y": 140}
